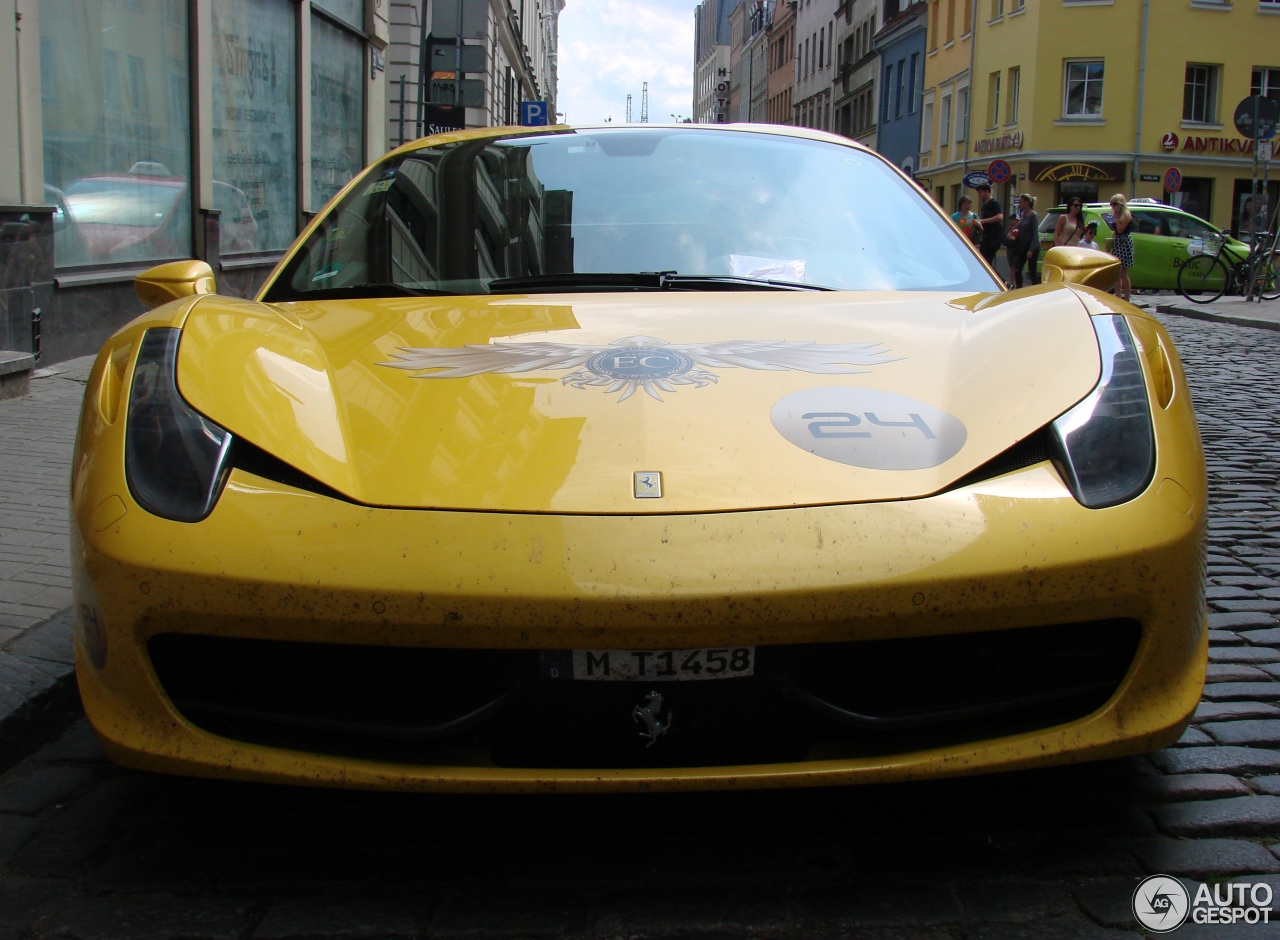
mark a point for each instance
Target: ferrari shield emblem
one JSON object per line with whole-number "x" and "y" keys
{"x": 648, "y": 484}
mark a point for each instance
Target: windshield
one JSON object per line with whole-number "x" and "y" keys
{"x": 547, "y": 211}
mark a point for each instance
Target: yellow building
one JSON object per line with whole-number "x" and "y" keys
{"x": 1093, "y": 97}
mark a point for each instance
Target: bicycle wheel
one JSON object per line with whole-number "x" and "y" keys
{"x": 1203, "y": 278}
{"x": 1268, "y": 276}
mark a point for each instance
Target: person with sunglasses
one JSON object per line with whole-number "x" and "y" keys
{"x": 1122, "y": 244}
{"x": 1070, "y": 225}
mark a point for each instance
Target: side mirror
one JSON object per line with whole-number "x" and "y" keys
{"x": 1074, "y": 265}
{"x": 173, "y": 281}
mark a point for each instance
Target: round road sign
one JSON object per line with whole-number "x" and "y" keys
{"x": 1172, "y": 179}
{"x": 999, "y": 171}
{"x": 1264, "y": 110}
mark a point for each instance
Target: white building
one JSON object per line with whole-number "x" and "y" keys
{"x": 506, "y": 56}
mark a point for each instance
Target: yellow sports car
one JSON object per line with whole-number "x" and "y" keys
{"x": 636, "y": 457}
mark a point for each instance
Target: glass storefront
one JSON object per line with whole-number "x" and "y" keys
{"x": 115, "y": 105}
{"x": 255, "y": 148}
{"x": 337, "y": 109}
{"x": 116, "y": 98}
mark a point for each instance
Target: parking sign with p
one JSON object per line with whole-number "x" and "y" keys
{"x": 533, "y": 113}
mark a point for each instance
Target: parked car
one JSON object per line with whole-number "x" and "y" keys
{"x": 145, "y": 215}
{"x": 636, "y": 457}
{"x": 1160, "y": 237}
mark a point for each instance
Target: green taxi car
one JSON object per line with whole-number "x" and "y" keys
{"x": 1161, "y": 234}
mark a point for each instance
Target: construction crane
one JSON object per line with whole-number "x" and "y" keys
{"x": 628, "y": 109}
{"x": 644, "y": 103}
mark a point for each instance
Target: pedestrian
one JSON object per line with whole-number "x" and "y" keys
{"x": 1024, "y": 241}
{"x": 1122, "y": 244}
{"x": 1070, "y": 225}
{"x": 1087, "y": 241}
{"x": 991, "y": 218}
{"x": 966, "y": 219}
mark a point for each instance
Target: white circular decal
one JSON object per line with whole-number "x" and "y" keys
{"x": 1161, "y": 903}
{"x": 867, "y": 427}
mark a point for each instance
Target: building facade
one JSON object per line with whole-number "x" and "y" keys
{"x": 944, "y": 125}
{"x": 815, "y": 62}
{"x": 711, "y": 62}
{"x": 901, "y": 45}
{"x": 857, "y": 70}
{"x": 1154, "y": 90}
{"x": 781, "y": 63}
{"x": 483, "y": 60}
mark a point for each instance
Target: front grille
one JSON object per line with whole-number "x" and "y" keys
{"x": 490, "y": 707}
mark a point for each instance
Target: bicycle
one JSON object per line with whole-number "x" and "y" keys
{"x": 1210, "y": 270}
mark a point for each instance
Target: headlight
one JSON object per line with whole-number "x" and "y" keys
{"x": 175, "y": 459}
{"x": 1106, "y": 444}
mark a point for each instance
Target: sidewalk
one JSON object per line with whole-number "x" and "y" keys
{"x": 37, "y": 434}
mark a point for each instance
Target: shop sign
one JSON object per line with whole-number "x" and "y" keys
{"x": 1092, "y": 172}
{"x": 975, "y": 179}
{"x": 1210, "y": 144}
{"x": 1007, "y": 142}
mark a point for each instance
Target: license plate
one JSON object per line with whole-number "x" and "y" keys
{"x": 687, "y": 665}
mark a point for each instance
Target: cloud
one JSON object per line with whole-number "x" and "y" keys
{"x": 610, "y": 48}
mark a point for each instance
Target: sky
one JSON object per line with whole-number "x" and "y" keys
{"x": 610, "y": 48}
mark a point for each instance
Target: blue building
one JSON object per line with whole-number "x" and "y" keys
{"x": 901, "y": 45}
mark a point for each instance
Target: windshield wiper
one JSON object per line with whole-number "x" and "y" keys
{"x": 733, "y": 282}
{"x": 644, "y": 280}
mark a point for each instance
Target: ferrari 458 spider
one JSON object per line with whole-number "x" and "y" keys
{"x": 636, "y": 457}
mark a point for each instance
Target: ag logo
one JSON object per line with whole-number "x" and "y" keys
{"x": 1161, "y": 904}
{"x": 1169, "y": 141}
{"x": 867, "y": 427}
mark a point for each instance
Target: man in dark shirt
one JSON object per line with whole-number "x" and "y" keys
{"x": 991, "y": 215}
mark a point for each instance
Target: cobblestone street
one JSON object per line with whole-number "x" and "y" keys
{"x": 88, "y": 850}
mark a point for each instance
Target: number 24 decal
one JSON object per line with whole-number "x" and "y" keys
{"x": 839, "y": 424}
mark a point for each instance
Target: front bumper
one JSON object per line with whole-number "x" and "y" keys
{"x": 274, "y": 564}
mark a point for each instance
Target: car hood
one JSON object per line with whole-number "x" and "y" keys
{"x": 577, "y": 403}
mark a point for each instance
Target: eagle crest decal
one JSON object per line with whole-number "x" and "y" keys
{"x": 640, "y": 362}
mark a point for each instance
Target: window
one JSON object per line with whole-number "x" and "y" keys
{"x": 933, "y": 25}
{"x": 993, "y": 100}
{"x": 944, "y": 121}
{"x": 1082, "y": 91}
{"x": 1200, "y": 94}
{"x": 886, "y": 91}
{"x": 951, "y": 21}
{"x": 912, "y": 90}
{"x": 255, "y": 149}
{"x": 997, "y": 9}
{"x": 138, "y": 85}
{"x": 1015, "y": 88}
{"x": 122, "y": 164}
{"x": 1266, "y": 82}
{"x": 926, "y": 128}
{"x": 337, "y": 109}
{"x": 349, "y": 11}
{"x": 962, "y": 113}
{"x": 902, "y": 87}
